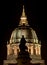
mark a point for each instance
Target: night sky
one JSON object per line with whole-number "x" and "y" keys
{"x": 10, "y": 13}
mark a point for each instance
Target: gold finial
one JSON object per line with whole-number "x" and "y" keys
{"x": 23, "y": 13}
{"x": 23, "y": 18}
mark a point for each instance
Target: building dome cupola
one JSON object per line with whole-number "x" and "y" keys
{"x": 23, "y": 29}
{"x": 23, "y": 42}
{"x": 23, "y": 19}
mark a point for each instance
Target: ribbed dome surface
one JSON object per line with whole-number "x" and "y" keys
{"x": 23, "y": 29}
{"x": 29, "y": 34}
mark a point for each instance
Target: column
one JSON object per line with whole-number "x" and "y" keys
{"x": 32, "y": 50}
{"x": 15, "y": 50}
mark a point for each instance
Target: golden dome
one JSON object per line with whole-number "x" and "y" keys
{"x": 23, "y": 29}
{"x": 29, "y": 34}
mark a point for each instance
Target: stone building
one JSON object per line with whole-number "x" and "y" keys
{"x": 32, "y": 42}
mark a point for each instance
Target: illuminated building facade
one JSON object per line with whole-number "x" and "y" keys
{"x": 32, "y": 42}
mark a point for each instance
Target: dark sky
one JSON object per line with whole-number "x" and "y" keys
{"x": 10, "y": 13}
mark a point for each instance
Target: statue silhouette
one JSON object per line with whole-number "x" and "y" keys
{"x": 22, "y": 45}
{"x": 23, "y": 56}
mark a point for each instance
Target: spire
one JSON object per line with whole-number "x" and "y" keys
{"x": 23, "y": 18}
{"x": 23, "y": 13}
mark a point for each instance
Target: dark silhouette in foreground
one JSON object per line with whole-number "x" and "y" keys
{"x": 23, "y": 56}
{"x": 22, "y": 45}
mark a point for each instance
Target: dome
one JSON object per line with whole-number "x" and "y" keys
{"x": 23, "y": 29}
{"x": 29, "y": 34}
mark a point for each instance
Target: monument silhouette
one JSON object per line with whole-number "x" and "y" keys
{"x": 23, "y": 56}
{"x": 22, "y": 45}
